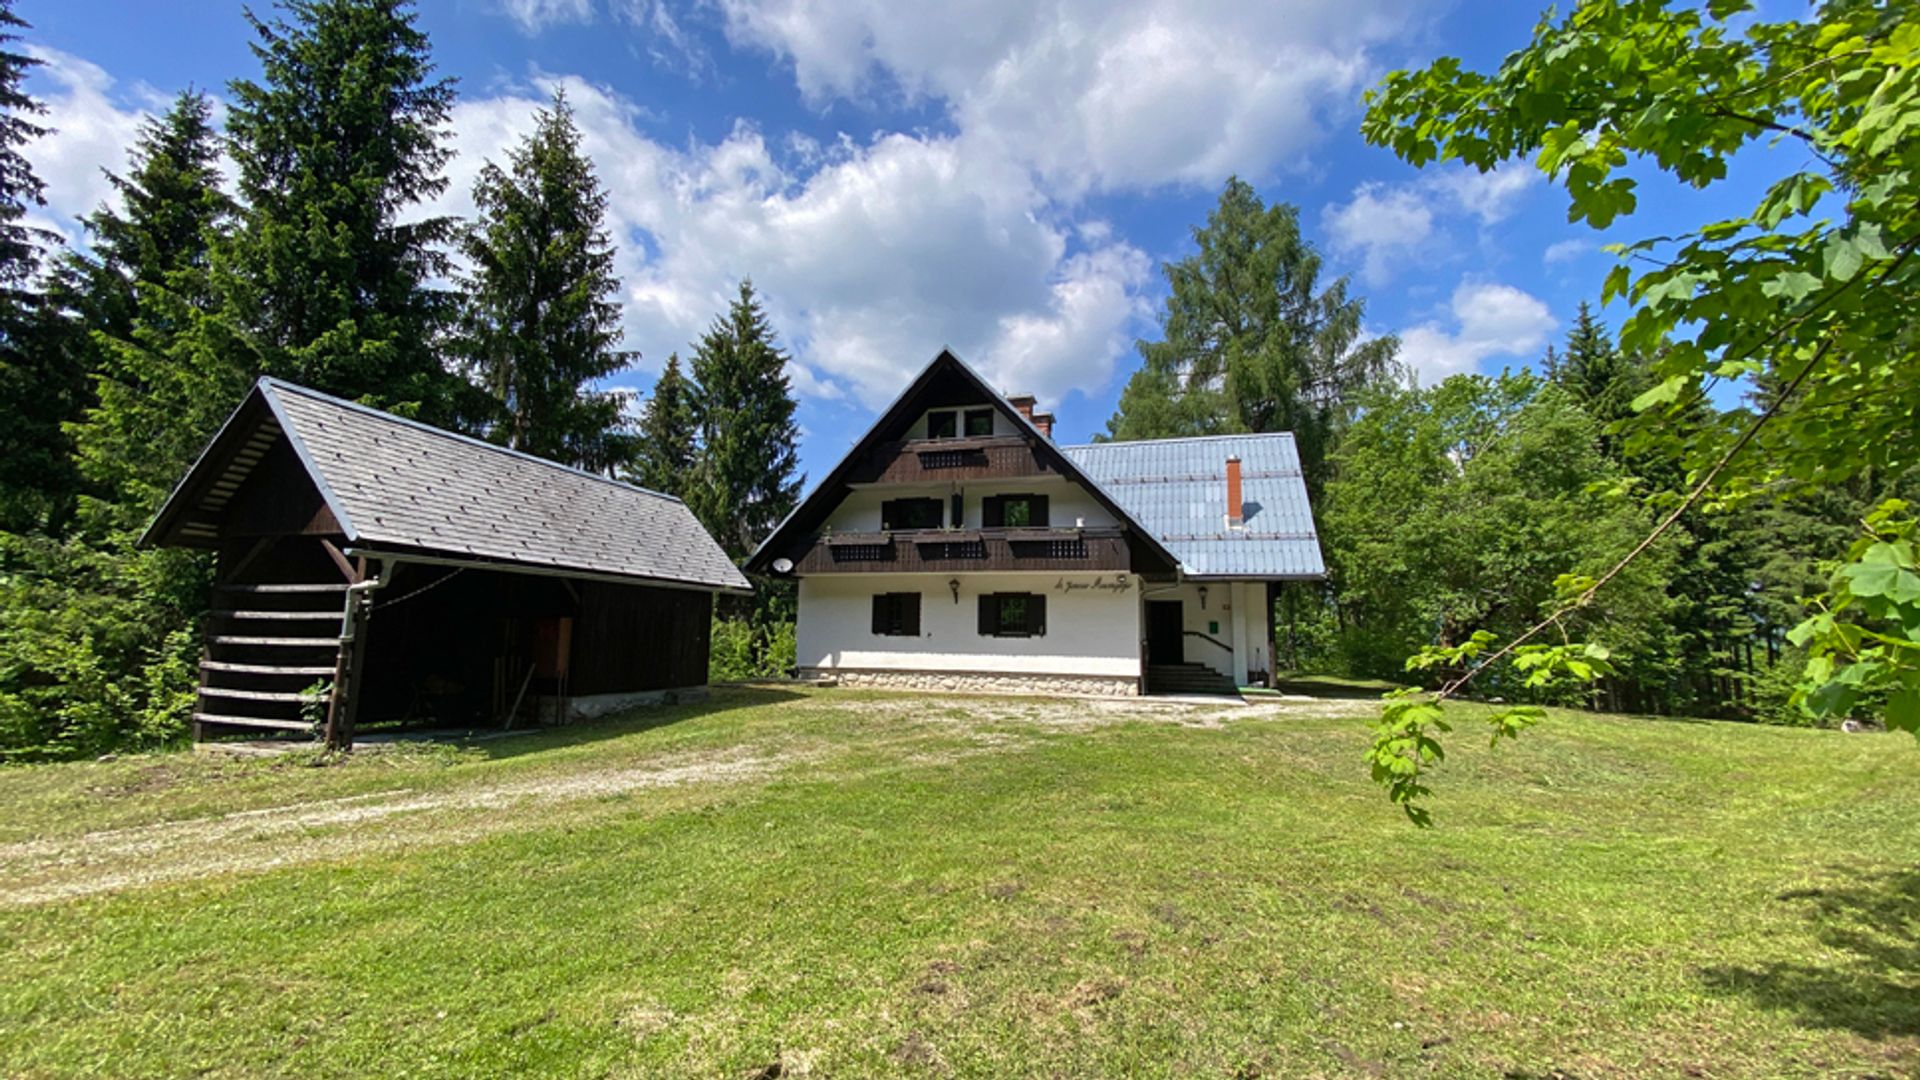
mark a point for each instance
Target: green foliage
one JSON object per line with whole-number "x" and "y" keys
{"x": 1809, "y": 293}
{"x": 663, "y": 457}
{"x": 1249, "y": 339}
{"x": 747, "y": 477}
{"x": 1863, "y": 642}
{"x": 343, "y": 135}
{"x": 541, "y": 319}
{"x": 42, "y": 376}
{"x": 1453, "y": 509}
{"x": 750, "y": 649}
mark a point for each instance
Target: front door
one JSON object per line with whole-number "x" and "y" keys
{"x": 1166, "y": 632}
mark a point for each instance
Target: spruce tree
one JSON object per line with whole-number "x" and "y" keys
{"x": 339, "y": 139}
{"x": 42, "y": 377}
{"x": 542, "y": 320}
{"x": 663, "y": 458}
{"x": 164, "y": 379}
{"x": 747, "y": 473}
{"x": 1250, "y": 341}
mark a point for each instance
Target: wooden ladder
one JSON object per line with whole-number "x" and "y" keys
{"x": 266, "y": 647}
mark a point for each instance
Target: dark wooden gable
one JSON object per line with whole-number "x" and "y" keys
{"x": 885, "y": 454}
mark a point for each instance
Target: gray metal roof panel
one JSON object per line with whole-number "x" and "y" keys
{"x": 404, "y": 483}
{"x": 1177, "y": 488}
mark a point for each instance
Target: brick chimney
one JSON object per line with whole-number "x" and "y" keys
{"x": 1236, "y": 514}
{"x": 1022, "y": 404}
{"x": 1043, "y": 421}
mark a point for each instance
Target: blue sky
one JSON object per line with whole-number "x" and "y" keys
{"x": 1004, "y": 178}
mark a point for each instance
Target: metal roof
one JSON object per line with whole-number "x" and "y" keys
{"x": 1177, "y": 488}
{"x": 393, "y": 482}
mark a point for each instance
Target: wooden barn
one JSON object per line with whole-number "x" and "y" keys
{"x": 372, "y": 569}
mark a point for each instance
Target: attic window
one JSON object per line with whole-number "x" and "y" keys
{"x": 979, "y": 422}
{"x": 943, "y": 425}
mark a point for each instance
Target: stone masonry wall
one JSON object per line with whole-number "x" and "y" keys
{"x": 979, "y": 682}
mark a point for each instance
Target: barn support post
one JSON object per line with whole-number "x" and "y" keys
{"x": 343, "y": 702}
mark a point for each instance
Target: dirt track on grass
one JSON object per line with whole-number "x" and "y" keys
{"x": 53, "y": 869}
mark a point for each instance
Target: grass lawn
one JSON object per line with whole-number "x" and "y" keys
{"x": 843, "y": 884}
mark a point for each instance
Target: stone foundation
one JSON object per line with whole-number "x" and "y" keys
{"x": 979, "y": 682}
{"x": 597, "y": 705}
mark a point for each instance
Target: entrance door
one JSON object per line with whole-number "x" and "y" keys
{"x": 1166, "y": 632}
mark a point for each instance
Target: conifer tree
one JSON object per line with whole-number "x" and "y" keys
{"x": 747, "y": 473}
{"x": 663, "y": 456}
{"x": 1250, "y": 341}
{"x": 163, "y": 380}
{"x": 339, "y": 139}
{"x": 542, "y": 321}
{"x": 41, "y": 383}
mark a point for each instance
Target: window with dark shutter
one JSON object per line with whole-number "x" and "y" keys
{"x": 1014, "y": 511}
{"x": 1013, "y": 615}
{"x": 942, "y": 425}
{"x": 910, "y": 514}
{"x": 896, "y": 614}
{"x": 979, "y": 421}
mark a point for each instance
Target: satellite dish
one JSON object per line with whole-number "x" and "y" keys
{"x": 783, "y": 566}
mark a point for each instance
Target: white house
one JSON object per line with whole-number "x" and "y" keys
{"x": 956, "y": 547}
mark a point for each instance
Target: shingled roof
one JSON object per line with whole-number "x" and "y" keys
{"x": 1178, "y": 489}
{"x": 398, "y": 485}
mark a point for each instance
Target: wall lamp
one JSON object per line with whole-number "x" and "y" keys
{"x": 953, "y": 584}
{"x": 1203, "y": 598}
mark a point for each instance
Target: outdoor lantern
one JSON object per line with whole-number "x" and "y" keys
{"x": 1203, "y": 598}
{"x": 954, "y": 585}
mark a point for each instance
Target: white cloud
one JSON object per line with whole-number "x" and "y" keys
{"x": 870, "y": 262}
{"x": 1382, "y": 224}
{"x": 1096, "y": 94}
{"x": 1490, "y": 320}
{"x": 1385, "y": 224}
{"x": 90, "y": 133}
{"x": 536, "y": 15}
{"x": 1562, "y": 251}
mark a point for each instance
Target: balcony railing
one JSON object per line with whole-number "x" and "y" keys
{"x": 980, "y": 457}
{"x": 952, "y": 550}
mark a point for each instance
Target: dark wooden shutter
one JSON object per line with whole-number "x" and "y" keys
{"x": 959, "y": 512}
{"x": 989, "y": 614}
{"x": 1038, "y": 505}
{"x": 909, "y": 614}
{"x": 1037, "y": 615}
{"x": 993, "y": 511}
{"x": 880, "y": 613}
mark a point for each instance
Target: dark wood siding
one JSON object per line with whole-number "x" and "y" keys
{"x": 947, "y": 551}
{"x": 638, "y": 637}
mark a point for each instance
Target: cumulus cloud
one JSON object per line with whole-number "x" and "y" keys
{"x": 1563, "y": 251}
{"x": 536, "y": 15}
{"x": 1384, "y": 224}
{"x": 1489, "y": 320}
{"x": 1091, "y": 93}
{"x": 90, "y": 132}
{"x": 870, "y": 256}
{"x": 1381, "y": 224}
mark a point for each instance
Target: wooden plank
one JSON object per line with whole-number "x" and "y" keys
{"x": 331, "y": 616}
{"x": 251, "y": 721}
{"x": 260, "y": 695}
{"x": 340, "y": 560}
{"x": 302, "y": 587}
{"x": 282, "y": 642}
{"x": 264, "y": 669}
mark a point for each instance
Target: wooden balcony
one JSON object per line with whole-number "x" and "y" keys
{"x": 922, "y": 461}
{"x": 954, "y": 550}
